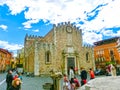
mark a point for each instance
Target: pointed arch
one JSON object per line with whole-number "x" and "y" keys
{"x": 47, "y": 57}
{"x": 87, "y": 56}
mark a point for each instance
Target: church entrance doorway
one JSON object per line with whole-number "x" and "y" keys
{"x": 70, "y": 63}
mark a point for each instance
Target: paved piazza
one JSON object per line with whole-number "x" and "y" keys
{"x": 103, "y": 83}
{"x": 29, "y": 83}
{"x": 36, "y": 83}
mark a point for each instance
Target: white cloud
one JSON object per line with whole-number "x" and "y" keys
{"x": 3, "y": 27}
{"x": 118, "y": 33}
{"x": 110, "y": 33}
{"x": 108, "y": 17}
{"x": 16, "y": 6}
{"x": 90, "y": 37}
{"x": 29, "y": 22}
{"x": 107, "y": 32}
{"x": 37, "y": 30}
{"x": 8, "y": 46}
{"x": 56, "y": 11}
{"x": 2, "y": 2}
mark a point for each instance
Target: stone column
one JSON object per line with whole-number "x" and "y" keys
{"x": 77, "y": 65}
{"x": 66, "y": 72}
{"x": 36, "y": 61}
{"x": 56, "y": 80}
{"x": 93, "y": 61}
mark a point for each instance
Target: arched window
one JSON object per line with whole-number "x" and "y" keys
{"x": 112, "y": 55}
{"x": 87, "y": 56}
{"x": 47, "y": 57}
{"x": 111, "y": 52}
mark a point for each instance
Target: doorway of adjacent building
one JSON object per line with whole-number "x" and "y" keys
{"x": 70, "y": 63}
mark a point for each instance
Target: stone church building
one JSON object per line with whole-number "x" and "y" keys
{"x": 59, "y": 49}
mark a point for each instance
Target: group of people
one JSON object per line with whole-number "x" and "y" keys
{"x": 13, "y": 81}
{"x": 71, "y": 82}
{"x": 83, "y": 75}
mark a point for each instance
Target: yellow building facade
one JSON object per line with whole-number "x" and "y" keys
{"x": 118, "y": 45}
{"x": 106, "y": 51}
{"x": 5, "y": 58}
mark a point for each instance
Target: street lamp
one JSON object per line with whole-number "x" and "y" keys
{"x": 19, "y": 59}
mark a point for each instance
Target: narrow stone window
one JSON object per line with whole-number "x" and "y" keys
{"x": 47, "y": 57}
{"x": 87, "y": 56}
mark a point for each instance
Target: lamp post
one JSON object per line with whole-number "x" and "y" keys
{"x": 19, "y": 59}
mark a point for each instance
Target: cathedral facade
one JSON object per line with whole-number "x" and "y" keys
{"x": 60, "y": 49}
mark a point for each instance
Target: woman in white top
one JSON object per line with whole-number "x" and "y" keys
{"x": 71, "y": 73}
{"x": 113, "y": 70}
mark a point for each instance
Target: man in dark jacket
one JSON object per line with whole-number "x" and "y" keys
{"x": 83, "y": 76}
{"x": 9, "y": 78}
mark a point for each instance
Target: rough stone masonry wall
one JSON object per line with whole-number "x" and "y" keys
{"x": 29, "y": 58}
{"x": 45, "y": 68}
{"x": 90, "y": 63}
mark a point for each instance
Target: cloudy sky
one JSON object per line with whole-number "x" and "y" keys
{"x": 99, "y": 19}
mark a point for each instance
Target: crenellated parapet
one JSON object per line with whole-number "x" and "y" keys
{"x": 65, "y": 24}
{"x": 29, "y": 41}
{"x": 32, "y": 36}
{"x": 88, "y": 46}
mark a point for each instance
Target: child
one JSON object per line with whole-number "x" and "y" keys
{"x": 16, "y": 84}
{"x": 76, "y": 81}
